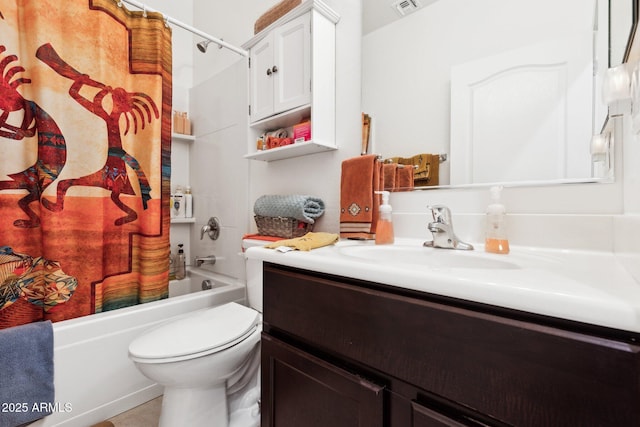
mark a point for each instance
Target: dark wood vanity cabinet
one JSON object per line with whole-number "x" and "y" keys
{"x": 343, "y": 352}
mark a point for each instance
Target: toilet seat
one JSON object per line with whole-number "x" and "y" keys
{"x": 196, "y": 335}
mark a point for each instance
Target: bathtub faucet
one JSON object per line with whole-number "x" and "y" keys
{"x": 210, "y": 259}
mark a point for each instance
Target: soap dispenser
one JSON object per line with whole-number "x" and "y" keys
{"x": 181, "y": 264}
{"x": 384, "y": 227}
{"x": 496, "y": 240}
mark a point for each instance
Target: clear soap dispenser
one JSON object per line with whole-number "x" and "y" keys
{"x": 496, "y": 240}
{"x": 181, "y": 264}
{"x": 384, "y": 227}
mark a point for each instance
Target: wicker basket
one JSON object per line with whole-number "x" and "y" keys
{"x": 273, "y": 14}
{"x": 281, "y": 227}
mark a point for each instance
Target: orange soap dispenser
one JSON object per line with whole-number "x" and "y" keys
{"x": 384, "y": 227}
{"x": 496, "y": 240}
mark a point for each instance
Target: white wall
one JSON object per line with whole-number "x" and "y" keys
{"x": 218, "y": 172}
{"x": 231, "y": 21}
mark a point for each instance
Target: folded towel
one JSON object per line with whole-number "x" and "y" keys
{"x": 303, "y": 208}
{"x": 307, "y": 242}
{"x": 389, "y": 171}
{"x": 404, "y": 178}
{"x": 361, "y": 177}
{"x": 427, "y": 172}
{"x": 26, "y": 357}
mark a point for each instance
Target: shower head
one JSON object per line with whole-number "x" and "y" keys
{"x": 202, "y": 46}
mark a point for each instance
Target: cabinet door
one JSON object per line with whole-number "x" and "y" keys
{"x": 262, "y": 79}
{"x": 299, "y": 389}
{"x": 292, "y": 75}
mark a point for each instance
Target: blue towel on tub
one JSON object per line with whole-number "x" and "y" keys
{"x": 26, "y": 373}
{"x": 303, "y": 208}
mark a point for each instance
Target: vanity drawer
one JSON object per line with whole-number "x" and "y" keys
{"x": 518, "y": 372}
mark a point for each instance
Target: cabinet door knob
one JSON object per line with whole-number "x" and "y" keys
{"x": 268, "y": 71}
{"x": 274, "y": 69}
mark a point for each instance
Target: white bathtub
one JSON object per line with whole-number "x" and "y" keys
{"x": 94, "y": 378}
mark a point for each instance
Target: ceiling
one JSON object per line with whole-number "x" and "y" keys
{"x": 378, "y": 13}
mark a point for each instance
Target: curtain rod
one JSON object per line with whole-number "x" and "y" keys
{"x": 189, "y": 28}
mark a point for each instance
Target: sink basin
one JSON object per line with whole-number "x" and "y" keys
{"x": 428, "y": 257}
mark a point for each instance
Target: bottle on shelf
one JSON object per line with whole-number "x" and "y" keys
{"x": 177, "y": 203}
{"x": 188, "y": 202}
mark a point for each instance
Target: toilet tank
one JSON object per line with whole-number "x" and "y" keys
{"x": 254, "y": 284}
{"x": 253, "y": 270}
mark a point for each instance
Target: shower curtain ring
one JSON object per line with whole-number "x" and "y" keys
{"x": 119, "y": 3}
{"x": 144, "y": 11}
{"x": 166, "y": 21}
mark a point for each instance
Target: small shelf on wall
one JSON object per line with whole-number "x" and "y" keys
{"x": 183, "y": 220}
{"x": 182, "y": 137}
{"x": 284, "y": 119}
{"x": 288, "y": 151}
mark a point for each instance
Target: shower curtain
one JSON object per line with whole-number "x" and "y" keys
{"x": 85, "y": 133}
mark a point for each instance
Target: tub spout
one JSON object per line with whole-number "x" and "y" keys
{"x": 210, "y": 259}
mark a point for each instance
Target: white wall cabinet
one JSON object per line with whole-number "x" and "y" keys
{"x": 292, "y": 78}
{"x": 281, "y": 69}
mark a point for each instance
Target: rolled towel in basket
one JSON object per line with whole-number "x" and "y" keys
{"x": 302, "y": 208}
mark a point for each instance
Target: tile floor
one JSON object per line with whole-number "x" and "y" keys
{"x": 145, "y": 415}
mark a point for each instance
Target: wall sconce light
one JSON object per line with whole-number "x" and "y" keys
{"x": 601, "y": 155}
{"x": 616, "y": 90}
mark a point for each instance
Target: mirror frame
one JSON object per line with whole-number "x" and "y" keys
{"x": 635, "y": 5}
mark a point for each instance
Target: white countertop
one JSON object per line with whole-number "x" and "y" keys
{"x": 585, "y": 286}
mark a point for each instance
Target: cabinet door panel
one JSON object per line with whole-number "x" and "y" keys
{"x": 261, "y": 80}
{"x": 299, "y": 389}
{"x": 292, "y": 80}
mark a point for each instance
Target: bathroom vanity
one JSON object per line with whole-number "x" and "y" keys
{"x": 340, "y": 350}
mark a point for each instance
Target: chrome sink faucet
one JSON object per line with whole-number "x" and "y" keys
{"x": 441, "y": 229}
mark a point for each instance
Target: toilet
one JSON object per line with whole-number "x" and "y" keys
{"x": 208, "y": 362}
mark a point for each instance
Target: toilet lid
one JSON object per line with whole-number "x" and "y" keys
{"x": 207, "y": 331}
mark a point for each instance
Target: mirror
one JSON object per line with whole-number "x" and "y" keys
{"x": 623, "y": 18}
{"x": 505, "y": 88}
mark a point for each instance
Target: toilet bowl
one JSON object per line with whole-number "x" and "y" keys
{"x": 202, "y": 359}
{"x": 208, "y": 361}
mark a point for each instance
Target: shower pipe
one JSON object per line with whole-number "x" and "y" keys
{"x": 189, "y": 28}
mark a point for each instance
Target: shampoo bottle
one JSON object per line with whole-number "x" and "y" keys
{"x": 177, "y": 203}
{"x": 496, "y": 240}
{"x": 188, "y": 203}
{"x": 384, "y": 228}
{"x": 181, "y": 264}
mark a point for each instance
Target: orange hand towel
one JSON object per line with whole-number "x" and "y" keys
{"x": 404, "y": 178}
{"x": 361, "y": 177}
{"x": 389, "y": 171}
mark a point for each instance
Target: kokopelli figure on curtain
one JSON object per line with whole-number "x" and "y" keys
{"x": 109, "y": 104}
{"x": 20, "y": 119}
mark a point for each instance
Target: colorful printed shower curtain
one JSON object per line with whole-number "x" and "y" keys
{"x": 85, "y": 133}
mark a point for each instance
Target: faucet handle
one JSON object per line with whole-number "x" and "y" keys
{"x": 441, "y": 214}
